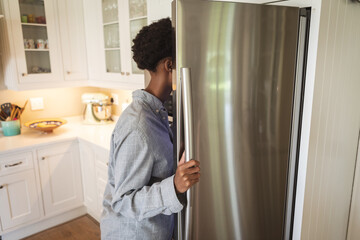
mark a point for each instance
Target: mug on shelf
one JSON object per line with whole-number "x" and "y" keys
{"x": 40, "y": 44}
{"x": 29, "y": 43}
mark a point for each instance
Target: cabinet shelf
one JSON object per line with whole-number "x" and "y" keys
{"x": 137, "y": 18}
{"x": 36, "y": 50}
{"x": 110, "y": 49}
{"x": 34, "y": 24}
{"x": 110, "y": 23}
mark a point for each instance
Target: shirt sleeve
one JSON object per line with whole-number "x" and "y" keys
{"x": 133, "y": 163}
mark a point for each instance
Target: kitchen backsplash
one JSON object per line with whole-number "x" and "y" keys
{"x": 125, "y": 96}
{"x": 59, "y": 102}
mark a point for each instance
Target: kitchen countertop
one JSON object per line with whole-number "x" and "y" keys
{"x": 74, "y": 128}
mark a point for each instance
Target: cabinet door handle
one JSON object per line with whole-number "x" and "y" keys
{"x": 122, "y": 73}
{"x": 13, "y": 165}
{"x": 2, "y": 186}
{"x": 43, "y": 158}
{"x": 127, "y": 73}
{"x": 23, "y": 74}
{"x": 68, "y": 72}
{"x": 107, "y": 164}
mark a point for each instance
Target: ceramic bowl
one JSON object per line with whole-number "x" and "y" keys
{"x": 45, "y": 125}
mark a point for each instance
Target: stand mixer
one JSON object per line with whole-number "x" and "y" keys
{"x": 97, "y": 109}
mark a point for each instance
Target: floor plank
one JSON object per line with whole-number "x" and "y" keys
{"x": 82, "y": 228}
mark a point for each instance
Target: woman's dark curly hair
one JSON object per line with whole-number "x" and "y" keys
{"x": 153, "y": 43}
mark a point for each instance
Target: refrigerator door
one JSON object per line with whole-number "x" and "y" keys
{"x": 239, "y": 62}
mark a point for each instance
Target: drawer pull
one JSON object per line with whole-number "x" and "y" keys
{"x": 43, "y": 158}
{"x": 2, "y": 186}
{"x": 107, "y": 164}
{"x": 13, "y": 165}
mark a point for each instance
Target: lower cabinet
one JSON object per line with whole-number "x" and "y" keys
{"x": 19, "y": 200}
{"x": 60, "y": 176}
{"x": 94, "y": 162}
{"x": 88, "y": 172}
{"x": 39, "y": 183}
{"x": 44, "y": 182}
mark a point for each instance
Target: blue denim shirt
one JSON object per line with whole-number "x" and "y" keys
{"x": 140, "y": 198}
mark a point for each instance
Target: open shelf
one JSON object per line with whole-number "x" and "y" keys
{"x": 34, "y": 24}
{"x": 109, "y": 23}
{"x": 110, "y": 49}
{"x": 137, "y": 18}
{"x": 36, "y": 50}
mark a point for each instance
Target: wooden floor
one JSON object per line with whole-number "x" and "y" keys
{"x": 82, "y": 228}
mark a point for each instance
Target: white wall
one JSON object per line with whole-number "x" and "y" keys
{"x": 335, "y": 122}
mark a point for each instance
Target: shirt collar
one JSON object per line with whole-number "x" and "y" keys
{"x": 155, "y": 104}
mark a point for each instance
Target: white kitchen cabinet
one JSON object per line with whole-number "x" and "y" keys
{"x": 110, "y": 26}
{"x": 13, "y": 163}
{"x": 19, "y": 201}
{"x": 87, "y": 156}
{"x": 36, "y": 60}
{"x": 72, "y": 37}
{"x": 94, "y": 162}
{"x": 101, "y": 163}
{"x": 44, "y": 44}
{"x": 2, "y": 84}
{"x": 101, "y": 180}
{"x": 60, "y": 176}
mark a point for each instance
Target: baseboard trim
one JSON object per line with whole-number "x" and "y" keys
{"x": 44, "y": 224}
{"x": 93, "y": 214}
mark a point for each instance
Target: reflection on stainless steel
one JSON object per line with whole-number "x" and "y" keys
{"x": 243, "y": 60}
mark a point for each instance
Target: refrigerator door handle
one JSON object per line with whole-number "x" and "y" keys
{"x": 188, "y": 134}
{"x": 187, "y": 103}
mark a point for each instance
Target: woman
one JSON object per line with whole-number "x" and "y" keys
{"x": 141, "y": 195}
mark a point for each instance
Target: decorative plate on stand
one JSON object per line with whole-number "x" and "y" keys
{"x": 45, "y": 125}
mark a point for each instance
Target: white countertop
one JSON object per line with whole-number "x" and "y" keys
{"x": 74, "y": 128}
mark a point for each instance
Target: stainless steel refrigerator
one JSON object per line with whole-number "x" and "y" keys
{"x": 238, "y": 87}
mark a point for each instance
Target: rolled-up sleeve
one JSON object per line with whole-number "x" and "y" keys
{"x": 132, "y": 168}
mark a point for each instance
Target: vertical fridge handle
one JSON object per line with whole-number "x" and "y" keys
{"x": 186, "y": 101}
{"x": 188, "y": 133}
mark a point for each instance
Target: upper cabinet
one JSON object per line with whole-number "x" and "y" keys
{"x": 111, "y": 25}
{"x": 65, "y": 43}
{"x": 45, "y": 43}
{"x": 72, "y": 37}
{"x": 35, "y": 40}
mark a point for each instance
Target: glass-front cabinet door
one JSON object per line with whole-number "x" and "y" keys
{"x": 110, "y": 21}
{"x": 137, "y": 19}
{"x": 36, "y": 44}
{"x": 121, "y": 20}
